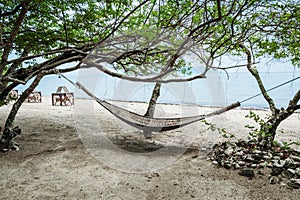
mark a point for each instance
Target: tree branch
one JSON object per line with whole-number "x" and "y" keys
{"x": 14, "y": 11}
{"x": 255, "y": 74}
{"x": 65, "y": 50}
{"x": 121, "y": 22}
{"x": 8, "y": 45}
{"x": 293, "y": 104}
{"x": 157, "y": 78}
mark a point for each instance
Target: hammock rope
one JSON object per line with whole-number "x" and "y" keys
{"x": 273, "y": 88}
{"x": 158, "y": 124}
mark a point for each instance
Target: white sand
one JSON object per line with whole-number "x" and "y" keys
{"x": 63, "y": 156}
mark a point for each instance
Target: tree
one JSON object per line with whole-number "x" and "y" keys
{"x": 278, "y": 37}
{"x": 272, "y": 30}
{"x": 133, "y": 40}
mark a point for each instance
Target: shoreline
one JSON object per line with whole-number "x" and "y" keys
{"x": 183, "y": 104}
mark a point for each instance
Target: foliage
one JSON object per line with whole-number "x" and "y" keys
{"x": 138, "y": 38}
{"x": 256, "y": 134}
{"x": 221, "y": 131}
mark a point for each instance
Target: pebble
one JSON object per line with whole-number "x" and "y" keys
{"x": 294, "y": 183}
{"x": 291, "y": 171}
{"x": 297, "y": 181}
{"x": 264, "y": 164}
{"x": 241, "y": 163}
{"x": 276, "y": 157}
{"x": 229, "y": 151}
{"x": 215, "y": 162}
{"x": 246, "y": 172}
{"x": 237, "y": 166}
{"x": 276, "y": 171}
{"x": 273, "y": 180}
{"x": 295, "y": 158}
{"x": 270, "y": 155}
{"x": 289, "y": 163}
{"x": 257, "y": 152}
{"x": 269, "y": 165}
{"x": 297, "y": 171}
{"x": 278, "y": 165}
{"x": 253, "y": 165}
{"x": 241, "y": 156}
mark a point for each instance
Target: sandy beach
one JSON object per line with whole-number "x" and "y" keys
{"x": 84, "y": 152}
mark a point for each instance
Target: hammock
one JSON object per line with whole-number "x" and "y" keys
{"x": 151, "y": 124}
{"x": 160, "y": 124}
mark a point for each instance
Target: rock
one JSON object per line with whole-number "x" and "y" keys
{"x": 229, "y": 151}
{"x": 297, "y": 171}
{"x": 256, "y": 152}
{"x": 276, "y": 171}
{"x": 239, "y": 153}
{"x": 249, "y": 158}
{"x": 215, "y": 162}
{"x": 287, "y": 174}
{"x": 294, "y": 183}
{"x": 227, "y": 166}
{"x": 241, "y": 163}
{"x": 269, "y": 154}
{"x": 278, "y": 165}
{"x": 297, "y": 181}
{"x": 237, "y": 166}
{"x": 289, "y": 163}
{"x": 291, "y": 171}
{"x": 295, "y": 158}
{"x": 283, "y": 184}
{"x": 247, "y": 172}
{"x": 263, "y": 164}
{"x": 253, "y": 165}
{"x": 273, "y": 180}
{"x": 269, "y": 165}
{"x": 276, "y": 157}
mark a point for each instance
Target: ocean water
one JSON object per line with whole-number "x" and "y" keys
{"x": 216, "y": 90}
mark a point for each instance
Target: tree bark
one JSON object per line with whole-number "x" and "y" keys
{"x": 151, "y": 106}
{"x": 9, "y": 131}
{"x": 152, "y": 103}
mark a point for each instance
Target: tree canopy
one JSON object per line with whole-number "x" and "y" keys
{"x": 138, "y": 40}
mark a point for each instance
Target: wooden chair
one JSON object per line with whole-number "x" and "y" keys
{"x": 62, "y": 97}
{"x": 34, "y": 97}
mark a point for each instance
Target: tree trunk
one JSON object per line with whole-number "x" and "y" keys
{"x": 278, "y": 115}
{"x": 9, "y": 131}
{"x": 151, "y": 106}
{"x": 153, "y": 100}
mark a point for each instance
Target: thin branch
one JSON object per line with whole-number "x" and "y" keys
{"x": 70, "y": 69}
{"x": 255, "y": 74}
{"x": 234, "y": 66}
{"x": 47, "y": 54}
{"x": 156, "y": 78}
{"x": 14, "y": 11}
{"x": 293, "y": 104}
{"x": 121, "y": 22}
{"x": 8, "y": 45}
{"x": 16, "y": 80}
